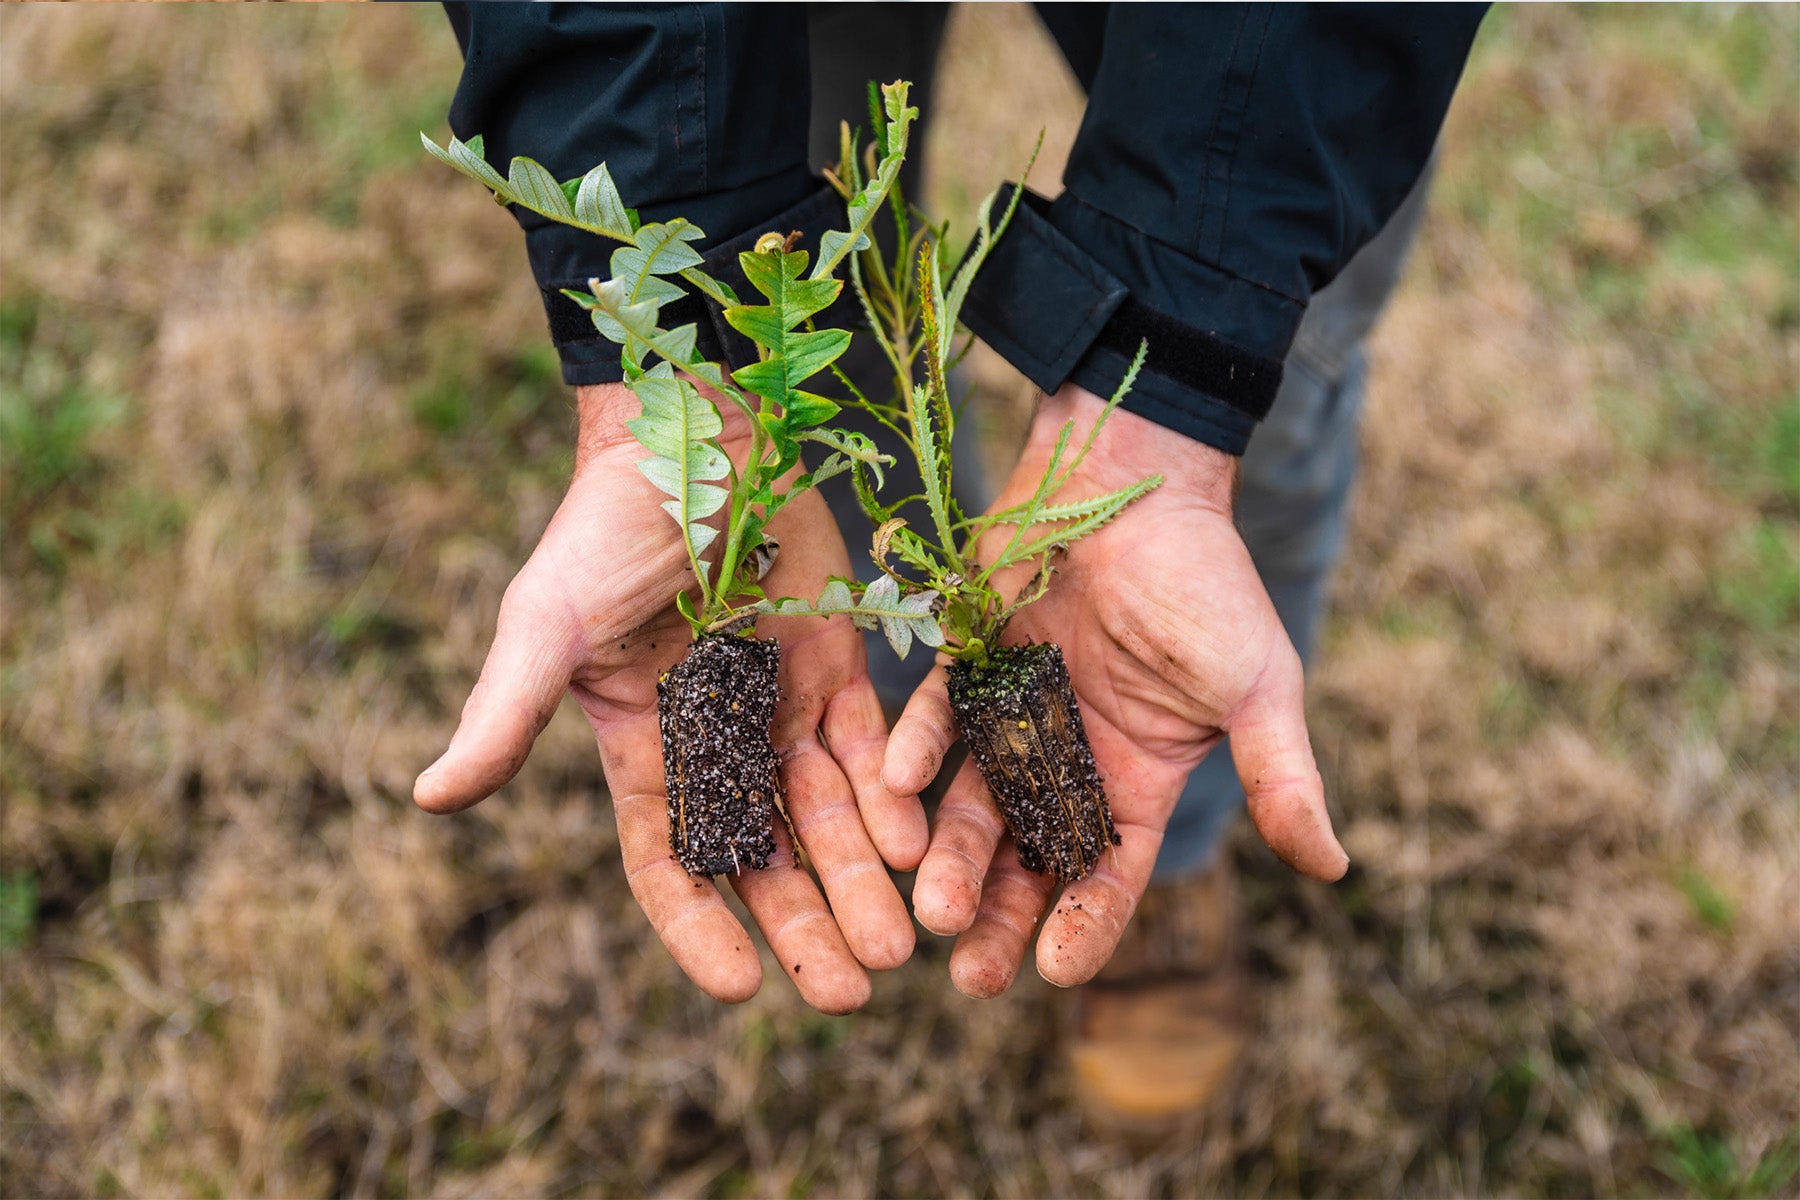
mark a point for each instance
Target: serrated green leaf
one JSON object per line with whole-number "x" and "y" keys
{"x": 799, "y": 358}
{"x": 777, "y": 277}
{"x": 660, "y": 248}
{"x": 597, "y": 203}
{"x": 676, "y": 418}
{"x": 676, "y": 424}
{"x": 536, "y": 188}
{"x": 1105, "y": 508}
{"x": 913, "y": 551}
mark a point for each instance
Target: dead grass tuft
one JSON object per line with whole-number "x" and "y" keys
{"x": 280, "y": 424}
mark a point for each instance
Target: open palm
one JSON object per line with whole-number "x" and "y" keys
{"x": 1171, "y": 643}
{"x": 591, "y": 614}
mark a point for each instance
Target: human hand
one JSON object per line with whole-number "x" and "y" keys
{"x": 591, "y": 614}
{"x": 1171, "y": 643}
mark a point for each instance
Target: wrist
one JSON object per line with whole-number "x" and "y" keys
{"x": 1132, "y": 447}
{"x": 602, "y": 410}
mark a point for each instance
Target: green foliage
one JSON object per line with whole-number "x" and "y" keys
{"x": 1705, "y": 1165}
{"x": 866, "y": 203}
{"x": 915, "y": 320}
{"x": 681, "y": 425}
{"x": 18, "y": 910}
{"x": 900, "y": 618}
{"x": 953, "y": 602}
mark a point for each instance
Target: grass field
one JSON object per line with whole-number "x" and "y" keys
{"x": 278, "y": 420}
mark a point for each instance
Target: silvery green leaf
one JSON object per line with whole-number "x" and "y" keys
{"x": 597, "y": 204}
{"x": 836, "y": 595}
{"x": 659, "y": 248}
{"x": 466, "y": 157}
{"x": 924, "y": 622}
{"x": 536, "y": 188}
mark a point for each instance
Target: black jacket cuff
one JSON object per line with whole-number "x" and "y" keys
{"x": 1068, "y": 293}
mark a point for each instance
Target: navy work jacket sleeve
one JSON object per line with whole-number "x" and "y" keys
{"x": 1233, "y": 158}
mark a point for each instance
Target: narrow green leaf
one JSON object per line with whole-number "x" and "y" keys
{"x": 863, "y": 207}
{"x": 1108, "y": 507}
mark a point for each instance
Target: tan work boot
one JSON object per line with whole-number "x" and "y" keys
{"x": 1155, "y": 1038}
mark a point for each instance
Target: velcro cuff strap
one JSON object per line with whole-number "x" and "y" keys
{"x": 1195, "y": 359}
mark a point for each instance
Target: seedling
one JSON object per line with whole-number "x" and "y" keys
{"x": 1013, "y": 705}
{"x": 715, "y": 705}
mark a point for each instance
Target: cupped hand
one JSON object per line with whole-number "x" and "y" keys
{"x": 591, "y": 614}
{"x": 1171, "y": 643}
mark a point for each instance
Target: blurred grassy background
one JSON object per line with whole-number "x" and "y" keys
{"x": 278, "y": 419}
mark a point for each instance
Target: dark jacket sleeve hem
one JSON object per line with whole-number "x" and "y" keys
{"x": 1176, "y": 407}
{"x": 1058, "y": 312}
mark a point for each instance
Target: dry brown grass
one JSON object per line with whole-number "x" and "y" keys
{"x": 279, "y": 425}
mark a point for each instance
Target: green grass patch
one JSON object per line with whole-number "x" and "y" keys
{"x": 1714, "y": 909}
{"x": 18, "y": 910}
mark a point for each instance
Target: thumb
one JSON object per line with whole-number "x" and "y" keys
{"x": 1281, "y": 781}
{"x": 522, "y": 682}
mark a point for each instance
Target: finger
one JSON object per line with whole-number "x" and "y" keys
{"x": 1282, "y": 788}
{"x": 868, "y": 909}
{"x": 706, "y": 941}
{"x": 800, "y": 930}
{"x": 948, "y": 889}
{"x": 521, "y": 683}
{"x": 857, "y": 736}
{"x": 988, "y": 954}
{"x": 687, "y": 912}
{"x": 1083, "y": 930}
{"x": 922, "y": 736}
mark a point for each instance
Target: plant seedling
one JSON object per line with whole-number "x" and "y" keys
{"x": 1013, "y": 705}
{"x": 714, "y": 707}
